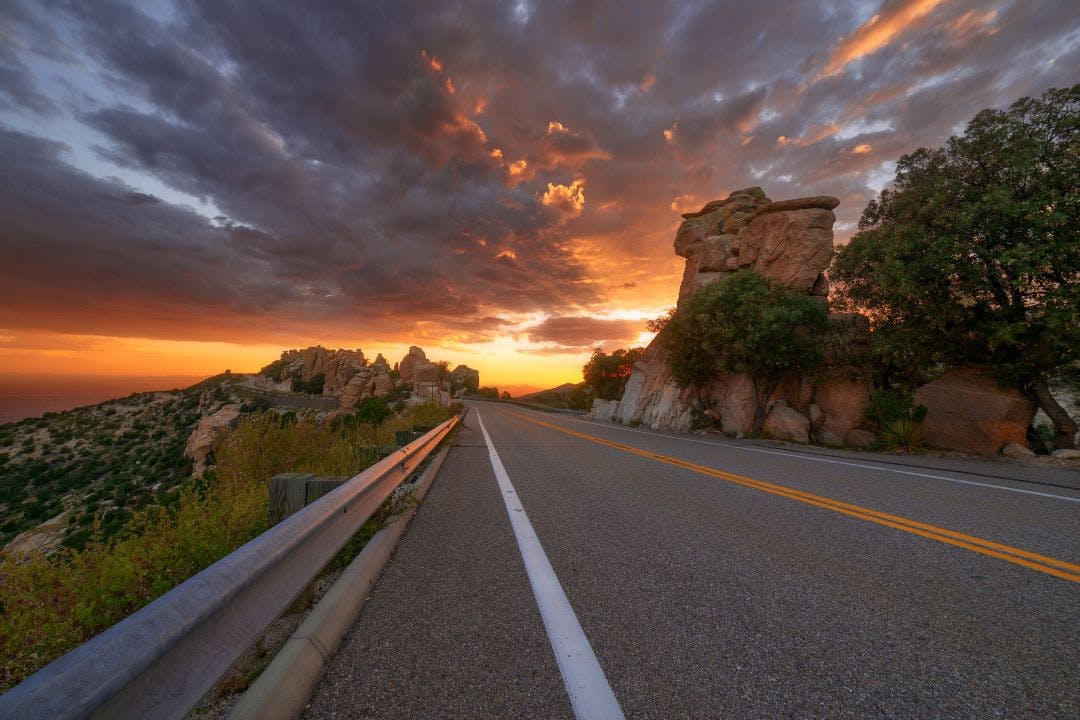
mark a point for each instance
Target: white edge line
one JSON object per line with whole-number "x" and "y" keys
{"x": 614, "y": 426}
{"x": 590, "y": 694}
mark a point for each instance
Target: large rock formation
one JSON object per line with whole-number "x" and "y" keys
{"x": 201, "y": 441}
{"x": 336, "y": 366}
{"x": 790, "y": 241}
{"x": 372, "y": 381}
{"x": 408, "y": 363}
{"x": 967, "y": 411}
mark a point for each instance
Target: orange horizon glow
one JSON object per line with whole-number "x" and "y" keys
{"x": 504, "y": 362}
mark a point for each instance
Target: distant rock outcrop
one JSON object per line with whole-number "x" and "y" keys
{"x": 408, "y": 363}
{"x": 790, "y": 241}
{"x": 201, "y": 441}
{"x": 372, "y": 381}
{"x": 336, "y": 366}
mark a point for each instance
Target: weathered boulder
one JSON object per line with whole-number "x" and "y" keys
{"x": 708, "y": 239}
{"x": 603, "y": 409}
{"x": 786, "y": 423}
{"x": 828, "y": 437}
{"x": 968, "y": 412}
{"x": 1066, "y": 454}
{"x": 736, "y": 404}
{"x": 380, "y": 364}
{"x": 383, "y": 384}
{"x": 843, "y": 403}
{"x": 790, "y": 246}
{"x": 414, "y": 357}
{"x": 359, "y": 387}
{"x": 201, "y": 441}
{"x": 823, "y": 202}
{"x": 1016, "y": 450}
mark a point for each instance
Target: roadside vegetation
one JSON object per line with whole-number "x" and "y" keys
{"x": 972, "y": 257}
{"x": 100, "y": 465}
{"x": 606, "y": 374}
{"x": 746, "y": 323}
{"x": 49, "y": 605}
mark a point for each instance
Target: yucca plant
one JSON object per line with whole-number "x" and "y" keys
{"x": 903, "y": 434}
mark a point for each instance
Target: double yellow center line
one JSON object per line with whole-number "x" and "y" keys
{"x": 1050, "y": 566}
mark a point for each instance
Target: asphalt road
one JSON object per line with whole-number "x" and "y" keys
{"x": 718, "y": 579}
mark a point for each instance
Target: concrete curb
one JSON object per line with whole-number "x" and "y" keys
{"x": 282, "y": 690}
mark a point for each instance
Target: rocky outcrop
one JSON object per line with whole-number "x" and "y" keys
{"x": 373, "y": 381}
{"x": 968, "y": 412}
{"x": 652, "y": 397}
{"x": 603, "y": 409}
{"x": 408, "y": 363}
{"x": 790, "y": 241}
{"x": 336, "y": 366}
{"x": 201, "y": 441}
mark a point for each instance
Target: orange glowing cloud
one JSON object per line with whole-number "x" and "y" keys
{"x": 973, "y": 24}
{"x": 876, "y": 33}
{"x": 432, "y": 61}
{"x": 861, "y": 149}
{"x": 570, "y": 199}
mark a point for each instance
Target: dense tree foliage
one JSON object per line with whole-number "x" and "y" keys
{"x": 745, "y": 323}
{"x": 607, "y": 374}
{"x": 973, "y": 257}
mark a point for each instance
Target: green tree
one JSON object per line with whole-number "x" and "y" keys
{"x": 607, "y": 374}
{"x": 973, "y": 257}
{"x": 745, "y": 323}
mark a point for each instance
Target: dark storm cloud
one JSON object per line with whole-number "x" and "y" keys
{"x": 580, "y": 332}
{"x": 381, "y": 168}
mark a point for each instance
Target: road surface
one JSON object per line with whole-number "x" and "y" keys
{"x": 561, "y": 567}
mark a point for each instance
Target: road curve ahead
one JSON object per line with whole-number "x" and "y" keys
{"x": 563, "y": 568}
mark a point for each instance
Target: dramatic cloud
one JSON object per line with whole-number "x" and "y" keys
{"x": 195, "y": 170}
{"x": 583, "y": 331}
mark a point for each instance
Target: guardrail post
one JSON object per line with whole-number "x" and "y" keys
{"x": 289, "y": 493}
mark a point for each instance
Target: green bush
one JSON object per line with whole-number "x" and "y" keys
{"x": 313, "y": 386}
{"x": 372, "y": 410}
{"x": 745, "y": 323}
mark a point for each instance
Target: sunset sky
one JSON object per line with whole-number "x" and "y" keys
{"x": 192, "y": 186}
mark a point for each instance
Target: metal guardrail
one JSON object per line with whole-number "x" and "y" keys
{"x": 160, "y": 661}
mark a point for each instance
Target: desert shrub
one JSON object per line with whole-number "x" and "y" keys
{"x": 903, "y": 434}
{"x": 125, "y": 560}
{"x": 312, "y": 386}
{"x": 892, "y": 404}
